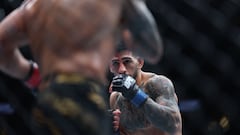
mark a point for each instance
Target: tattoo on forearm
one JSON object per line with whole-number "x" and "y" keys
{"x": 162, "y": 108}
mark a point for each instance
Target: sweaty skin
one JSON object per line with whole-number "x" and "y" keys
{"x": 159, "y": 115}
{"x": 69, "y": 35}
{"x": 62, "y": 39}
{"x": 73, "y": 37}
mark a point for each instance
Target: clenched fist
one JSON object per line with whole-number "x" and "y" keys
{"x": 129, "y": 89}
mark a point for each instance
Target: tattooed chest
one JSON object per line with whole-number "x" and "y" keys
{"x": 132, "y": 118}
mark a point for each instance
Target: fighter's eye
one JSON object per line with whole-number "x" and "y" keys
{"x": 115, "y": 63}
{"x": 127, "y": 61}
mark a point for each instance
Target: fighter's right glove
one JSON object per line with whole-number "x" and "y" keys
{"x": 129, "y": 89}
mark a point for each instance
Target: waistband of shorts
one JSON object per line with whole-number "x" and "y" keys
{"x": 68, "y": 78}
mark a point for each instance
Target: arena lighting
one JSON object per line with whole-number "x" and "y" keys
{"x": 224, "y": 123}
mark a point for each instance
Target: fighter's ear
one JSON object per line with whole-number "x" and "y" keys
{"x": 140, "y": 62}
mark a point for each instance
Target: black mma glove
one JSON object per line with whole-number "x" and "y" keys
{"x": 129, "y": 89}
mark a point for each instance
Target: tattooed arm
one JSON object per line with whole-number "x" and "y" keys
{"x": 162, "y": 107}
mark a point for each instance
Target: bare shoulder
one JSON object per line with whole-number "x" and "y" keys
{"x": 159, "y": 82}
{"x": 29, "y": 7}
{"x": 159, "y": 78}
{"x": 160, "y": 87}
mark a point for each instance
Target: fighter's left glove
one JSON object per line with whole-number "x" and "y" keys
{"x": 129, "y": 89}
{"x": 33, "y": 79}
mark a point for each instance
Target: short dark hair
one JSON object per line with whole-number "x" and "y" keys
{"x": 121, "y": 46}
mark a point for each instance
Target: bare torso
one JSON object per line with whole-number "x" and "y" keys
{"x": 72, "y": 36}
{"x": 134, "y": 121}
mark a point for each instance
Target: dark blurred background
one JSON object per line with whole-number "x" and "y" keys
{"x": 201, "y": 57}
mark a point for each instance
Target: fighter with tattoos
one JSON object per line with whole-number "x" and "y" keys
{"x": 145, "y": 103}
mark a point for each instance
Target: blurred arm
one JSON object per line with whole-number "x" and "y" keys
{"x": 12, "y": 35}
{"x": 144, "y": 34}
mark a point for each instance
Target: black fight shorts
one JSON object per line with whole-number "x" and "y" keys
{"x": 72, "y": 105}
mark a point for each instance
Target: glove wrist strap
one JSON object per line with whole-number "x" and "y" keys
{"x": 139, "y": 98}
{"x": 33, "y": 79}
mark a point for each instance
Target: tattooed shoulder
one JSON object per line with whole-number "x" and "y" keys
{"x": 159, "y": 85}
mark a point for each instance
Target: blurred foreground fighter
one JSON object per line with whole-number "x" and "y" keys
{"x": 72, "y": 42}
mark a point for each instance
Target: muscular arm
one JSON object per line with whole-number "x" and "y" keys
{"x": 137, "y": 18}
{"x": 162, "y": 109}
{"x": 12, "y": 35}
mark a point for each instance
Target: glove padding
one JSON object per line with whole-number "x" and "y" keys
{"x": 129, "y": 89}
{"x": 126, "y": 85}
